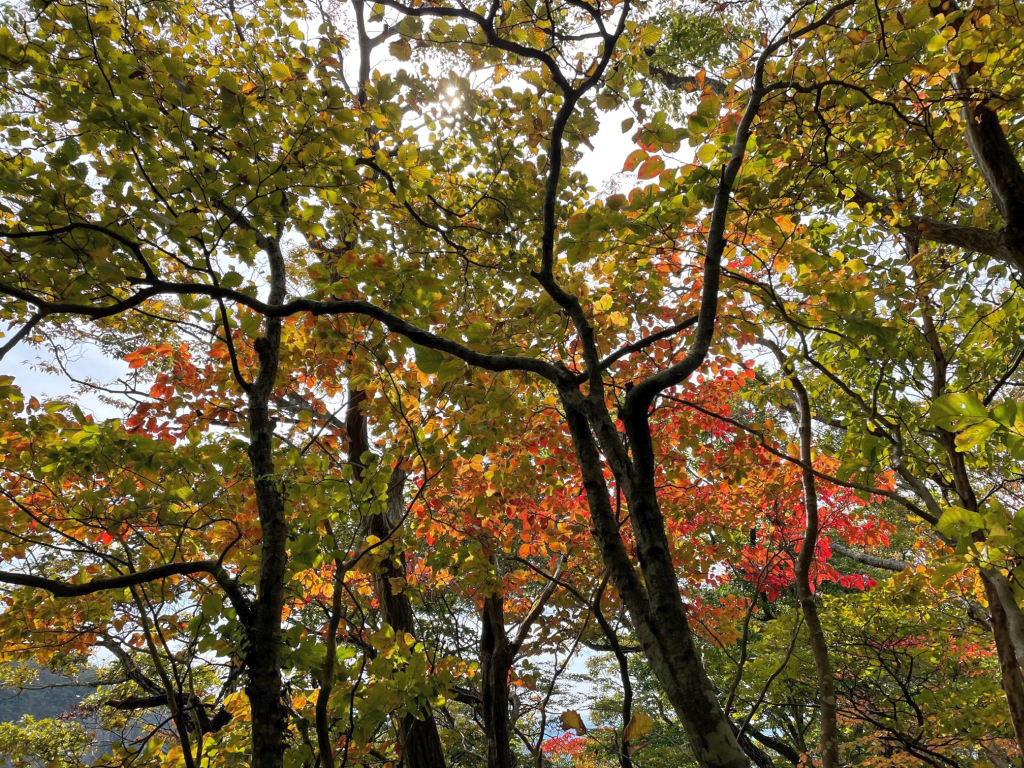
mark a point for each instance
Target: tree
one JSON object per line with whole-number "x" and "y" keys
{"x": 379, "y": 327}
{"x": 207, "y": 199}
{"x": 937, "y": 143}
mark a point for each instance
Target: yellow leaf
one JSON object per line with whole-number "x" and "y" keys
{"x": 639, "y": 726}
{"x": 401, "y": 49}
{"x": 649, "y": 35}
{"x": 421, "y": 173}
{"x": 571, "y": 720}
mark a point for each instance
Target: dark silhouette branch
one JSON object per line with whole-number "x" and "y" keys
{"x": 59, "y": 588}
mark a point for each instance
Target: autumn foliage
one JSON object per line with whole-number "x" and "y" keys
{"x": 352, "y": 423}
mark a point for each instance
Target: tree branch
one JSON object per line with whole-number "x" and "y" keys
{"x": 643, "y": 394}
{"x": 984, "y": 241}
{"x": 535, "y": 611}
{"x": 685, "y": 82}
{"x": 59, "y": 588}
{"x": 885, "y": 563}
{"x": 392, "y": 322}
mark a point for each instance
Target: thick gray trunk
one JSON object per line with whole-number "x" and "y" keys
{"x": 1009, "y": 664}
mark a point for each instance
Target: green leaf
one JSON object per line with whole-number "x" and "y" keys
{"x": 428, "y": 360}
{"x": 957, "y": 521}
{"x": 1014, "y": 444}
{"x": 706, "y": 153}
{"x": 958, "y": 410}
{"x": 1005, "y": 413}
{"x": 451, "y": 370}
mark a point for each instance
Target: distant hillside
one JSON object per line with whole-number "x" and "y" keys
{"x": 53, "y": 696}
{"x": 50, "y": 695}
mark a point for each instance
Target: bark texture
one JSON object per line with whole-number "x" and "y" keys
{"x": 496, "y": 657}
{"x": 654, "y": 604}
{"x": 263, "y": 660}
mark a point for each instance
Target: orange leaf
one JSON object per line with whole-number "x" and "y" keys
{"x": 651, "y": 168}
{"x": 635, "y": 158}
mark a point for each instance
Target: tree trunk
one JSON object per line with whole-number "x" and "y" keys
{"x": 495, "y": 662}
{"x": 1009, "y": 665}
{"x": 264, "y": 687}
{"x": 986, "y": 142}
{"x": 1011, "y": 609}
{"x": 822, "y": 669}
{"x": 1002, "y": 625}
{"x": 666, "y": 638}
{"x": 627, "y": 684}
{"x": 1004, "y": 177}
{"x": 809, "y": 608}
{"x": 656, "y": 606}
{"x": 421, "y": 742}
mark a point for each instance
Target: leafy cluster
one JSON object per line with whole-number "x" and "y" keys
{"x": 419, "y": 451}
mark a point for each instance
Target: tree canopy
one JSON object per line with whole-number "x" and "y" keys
{"x": 569, "y": 384}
